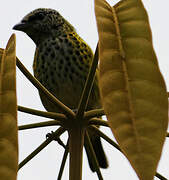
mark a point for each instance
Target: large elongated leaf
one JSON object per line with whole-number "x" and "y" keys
{"x": 132, "y": 88}
{"x": 8, "y": 113}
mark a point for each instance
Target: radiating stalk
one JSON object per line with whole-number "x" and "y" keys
{"x": 39, "y": 86}
{"x": 98, "y": 121}
{"x": 94, "y": 113}
{"x": 109, "y": 140}
{"x": 38, "y": 125}
{"x": 96, "y": 164}
{"x": 63, "y": 161}
{"x": 50, "y": 115}
{"x": 88, "y": 86}
{"x": 158, "y": 175}
{"x": 58, "y": 132}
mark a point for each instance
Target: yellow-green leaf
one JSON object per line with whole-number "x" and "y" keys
{"x": 8, "y": 113}
{"x": 1, "y": 53}
{"x": 132, "y": 88}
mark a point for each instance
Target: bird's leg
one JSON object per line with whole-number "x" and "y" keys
{"x": 55, "y": 138}
{"x": 74, "y": 110}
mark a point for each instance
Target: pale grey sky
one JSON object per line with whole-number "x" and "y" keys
{"x": 81, "y": 14}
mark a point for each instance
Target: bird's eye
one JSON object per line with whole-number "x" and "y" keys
{"x": 38, "y": 16}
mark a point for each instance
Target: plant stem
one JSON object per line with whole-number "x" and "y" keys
{"x": 76, "y": 141}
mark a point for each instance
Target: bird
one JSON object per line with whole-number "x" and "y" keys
{"x": 61, "y": 63}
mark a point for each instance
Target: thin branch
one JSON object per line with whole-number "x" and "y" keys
{"x": 88, "y": 86}
{"x": 96, "y": 164}
{"x": 63, "y": 161}
{"x": 94, "y": 128}
{"x": 58, "y": 132}
{"x": 50, "y": 115}
{"x": 94, "y": 113}
{"x": 117, "y": 146}
{"x": 39, "y": 86}
{"x": 38, "y": 125}
{"x": 167, "y": 134}
{"x": 98, "y": 121}
{"x": 159, "y": 176}
{"x": 60, "y": 142}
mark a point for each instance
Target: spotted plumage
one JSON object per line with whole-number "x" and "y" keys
{"x": 62, "y": 62}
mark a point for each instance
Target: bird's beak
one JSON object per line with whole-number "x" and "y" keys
{"x": 22, "y": 26}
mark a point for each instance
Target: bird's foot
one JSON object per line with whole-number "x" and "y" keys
{"x": 74, "y": 110}
{"x": 55, "y": 138}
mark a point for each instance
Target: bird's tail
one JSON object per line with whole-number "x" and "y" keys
{"x": 98, "y": 149}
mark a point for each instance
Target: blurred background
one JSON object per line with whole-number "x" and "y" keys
{"x": 80, "y": 13}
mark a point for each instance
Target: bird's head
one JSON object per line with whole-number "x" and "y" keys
{"x": 42, "y": 23}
